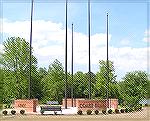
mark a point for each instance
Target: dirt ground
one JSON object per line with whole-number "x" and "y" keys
{"x": 143, "y": 115}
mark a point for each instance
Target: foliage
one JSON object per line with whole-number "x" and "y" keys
{"x": 81, "y": 85}
{"x": 13, "y": 112}
{"x": 122, "y": 110}
{"x": 22, "y": 112}
{"x": 89, "y": 112}
{"x": 117, "y": 111}
{"x": 106, "y": 78}
{"x": 104, "y": 111}
{"x": 96, "y": 112}
{"x": 15, "y": 61}
{"x": 53, "y": 83}
{"x": 5, "y": 112}
{"x": 1, "y": 87}
{"x": 79, "y": 112}
{"x": 134, "y": 88}
{"x": 110, "y": 111}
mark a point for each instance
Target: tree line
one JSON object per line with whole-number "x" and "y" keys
{"x": 49, "y": 84}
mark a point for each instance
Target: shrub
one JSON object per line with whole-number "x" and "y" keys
{"x": 138, "y": 108}
{"x": 13, "y": 112}
{"x": 42, "y": 112}
{"x": 122, "y": 110}
{"x": 117, "y": 111}
{"x": 129, "y": 110}
{"x": 110, "y": 111}
{"x": 96, "y": 112}
{"x": 22, "y": 112}
{"x": 5, "y": 112}
{"x": 104, "y": 111}
{"x": 79, "y": 112}
{"x": 89, "y": 112}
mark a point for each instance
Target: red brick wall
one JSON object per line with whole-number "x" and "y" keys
{"x": 84, "y": 104}
{"x": 27, "y": 105}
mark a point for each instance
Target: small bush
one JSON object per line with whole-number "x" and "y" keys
{"x": 117, "y": 111}
{"x": 96, "y": 112}
{"x": 122, "y": 110}
{"x": 22, "y": 112}
{"x": 79, "y": 112}
{"x": 42, "y": 112}
{"x": 89, "y": 112}
{"x": 5, "y": 112}
{"x": 138, "y": 108}
{"x": 104, "y": 111}
{"x": 128, "y": 110}
{"x": 110, "y": 111}
{"x": 13, "y": 112}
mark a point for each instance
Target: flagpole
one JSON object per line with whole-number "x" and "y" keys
{"x": 29, "y": 88}
{"x": 72, "y": 70}
{"x": 89, "y": 50}
{"x": 107, "y": 86}
{"x": 66, "y": 61}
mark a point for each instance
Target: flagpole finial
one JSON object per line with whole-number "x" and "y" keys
{"x": 107, "y": 13}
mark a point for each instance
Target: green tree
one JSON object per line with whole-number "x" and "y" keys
{"x": 103, "y": 76}
{"x": 53, "y": 83}
{"x": 134, "y": 87}
{"x": 1, "y": 87}
{"x": 15, "y": 60}
{"x": 80, "y": 85}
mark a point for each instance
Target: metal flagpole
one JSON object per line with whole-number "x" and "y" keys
{"x": 29, "y": 89}
{"x": 89, "y": 50}
{"x": 72, "y": 70}
{"x": 107, "y": 86}
{"x": 66, "y": 61}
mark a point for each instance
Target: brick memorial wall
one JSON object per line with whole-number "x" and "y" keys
{"x": 85, "y": 104}
{"x": 25, "y": 104}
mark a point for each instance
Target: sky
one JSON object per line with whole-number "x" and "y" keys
{"x": 128, "y": 32}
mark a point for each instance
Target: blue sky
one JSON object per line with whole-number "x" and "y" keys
{"x": 127, "y": 29}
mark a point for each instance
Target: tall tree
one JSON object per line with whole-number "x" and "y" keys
{"x": 134, "y": 87}
{"x": 53, "y": 82}
{"x": 81, "y": 85}
{"x": 15, "y": 60}
{"x": 101, "y": 78}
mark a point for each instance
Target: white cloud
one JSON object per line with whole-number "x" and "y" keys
{"x": 124, "y": 42}
{"x": 49, "y": 43}
{"x": 146, "y": 36}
